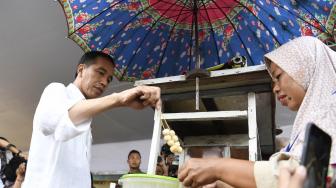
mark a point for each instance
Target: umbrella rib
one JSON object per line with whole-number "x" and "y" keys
{"x": 244, "y": 6}
{"x": 178, "y": 15}
{"x": 312, "y": 15}
{"x": 217, "y": 8}
{"x": 259, "y": 20}
{"x": 174, "y": 17}
{"x": 212, "y": 31}
{"x": 278, "y": 5}
{"x": 266, "y": 24}
{"x": 233, "y": 26}
{"x": 156, "y": 21}
{"x": 168, "y": 41}
{"x": 200, "y": 9}
{"x": 113, "y": 5}
{"x": 275, "y": 38}
{"x": 181, "y": 1}
{"x": 167, "y": 18}
{"x": 171, "y": 17}
{"x": 82, "y": 8}
{"x": 132, "y": 19}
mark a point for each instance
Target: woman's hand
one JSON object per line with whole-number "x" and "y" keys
{"x": 290, "y": 179}
{"x": 199, "y": 172}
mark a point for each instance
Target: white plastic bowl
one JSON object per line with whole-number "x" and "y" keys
{"x": 148, "y": 181}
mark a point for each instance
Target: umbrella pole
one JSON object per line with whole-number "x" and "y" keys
{"x": 197, "y": 73}
{"x": 198, "y": 63}
{"x": 197, "y": 93}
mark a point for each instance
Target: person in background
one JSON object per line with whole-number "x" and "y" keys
{"x": 161, "y": 167}
{"x": 172, "y": 168}
{"x": 134, "y": 161}
{"x": 10, "y": 159}
{"x": 20, "y": 175}
{"x": 168, "y": 159}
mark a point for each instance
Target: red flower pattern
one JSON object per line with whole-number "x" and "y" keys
{"x": 133, "y": 6}
{"x": 228, "y": 31}
{"x": 146, "y": 74}
{"x": 306, "y": 31}
{"x": 82, "y": 17}
{"x": 145, "y": 21}
{"x": 85, "y": 29}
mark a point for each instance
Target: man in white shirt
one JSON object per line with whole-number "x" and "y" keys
{"x": 59, "y": 155}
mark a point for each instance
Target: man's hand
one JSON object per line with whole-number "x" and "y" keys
{"x": 20, "y": 172}
{"x": 20, "y": 175}
{"x": 140, "y": 97}
{"x": 198, "y": 172}
{"x": 288, "y": 179}
{"x": 163, "y": 165}
{"x": 13, "y": 149}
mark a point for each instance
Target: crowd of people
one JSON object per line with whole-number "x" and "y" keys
{"x": 304, "y": 77}
{"x": 12, "y": 165}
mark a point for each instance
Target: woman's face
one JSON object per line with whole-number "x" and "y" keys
{"x": 286, "y": 89}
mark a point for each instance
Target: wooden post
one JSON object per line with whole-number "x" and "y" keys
{"x": 252, "y": 127}
{"x": 155, "y": 145}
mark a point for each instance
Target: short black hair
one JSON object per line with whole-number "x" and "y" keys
{"x": 89, "y": 57}
{"x": 133, "y": 151}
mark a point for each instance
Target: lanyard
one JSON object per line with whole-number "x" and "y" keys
{"x": 289, "y": 146}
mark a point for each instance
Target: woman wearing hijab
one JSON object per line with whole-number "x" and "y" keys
{"x": 304, "y": 76}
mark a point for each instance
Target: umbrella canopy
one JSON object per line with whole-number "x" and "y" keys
{"x": 158, "y": 38}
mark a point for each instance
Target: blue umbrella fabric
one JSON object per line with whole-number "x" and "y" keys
{"x": 157, "y": 38}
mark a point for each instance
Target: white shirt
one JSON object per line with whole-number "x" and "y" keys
{"x": 59, "y": 154}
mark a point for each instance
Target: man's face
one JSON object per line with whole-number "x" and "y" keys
{"x": 95, "y": 77}
{"x": 170, "y": 158}
{"x": 134, "y": 161}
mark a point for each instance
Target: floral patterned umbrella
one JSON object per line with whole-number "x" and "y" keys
{"x": 158, "y": 38}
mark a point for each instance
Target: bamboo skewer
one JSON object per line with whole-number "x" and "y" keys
{"x": 164, "y": 123}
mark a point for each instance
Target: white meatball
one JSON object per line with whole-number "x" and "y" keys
{"x": 179, "y": 149}
{"x": 165, "y": 132}
{"x": 177, "y": 144}
{"x": 172, "y": 133}
{"x": 170, "y": 142}
{"x": 167, "y": 138}
{"x": 173, "y": 149}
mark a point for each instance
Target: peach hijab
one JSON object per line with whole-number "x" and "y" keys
{"x": 312, "y": 64}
